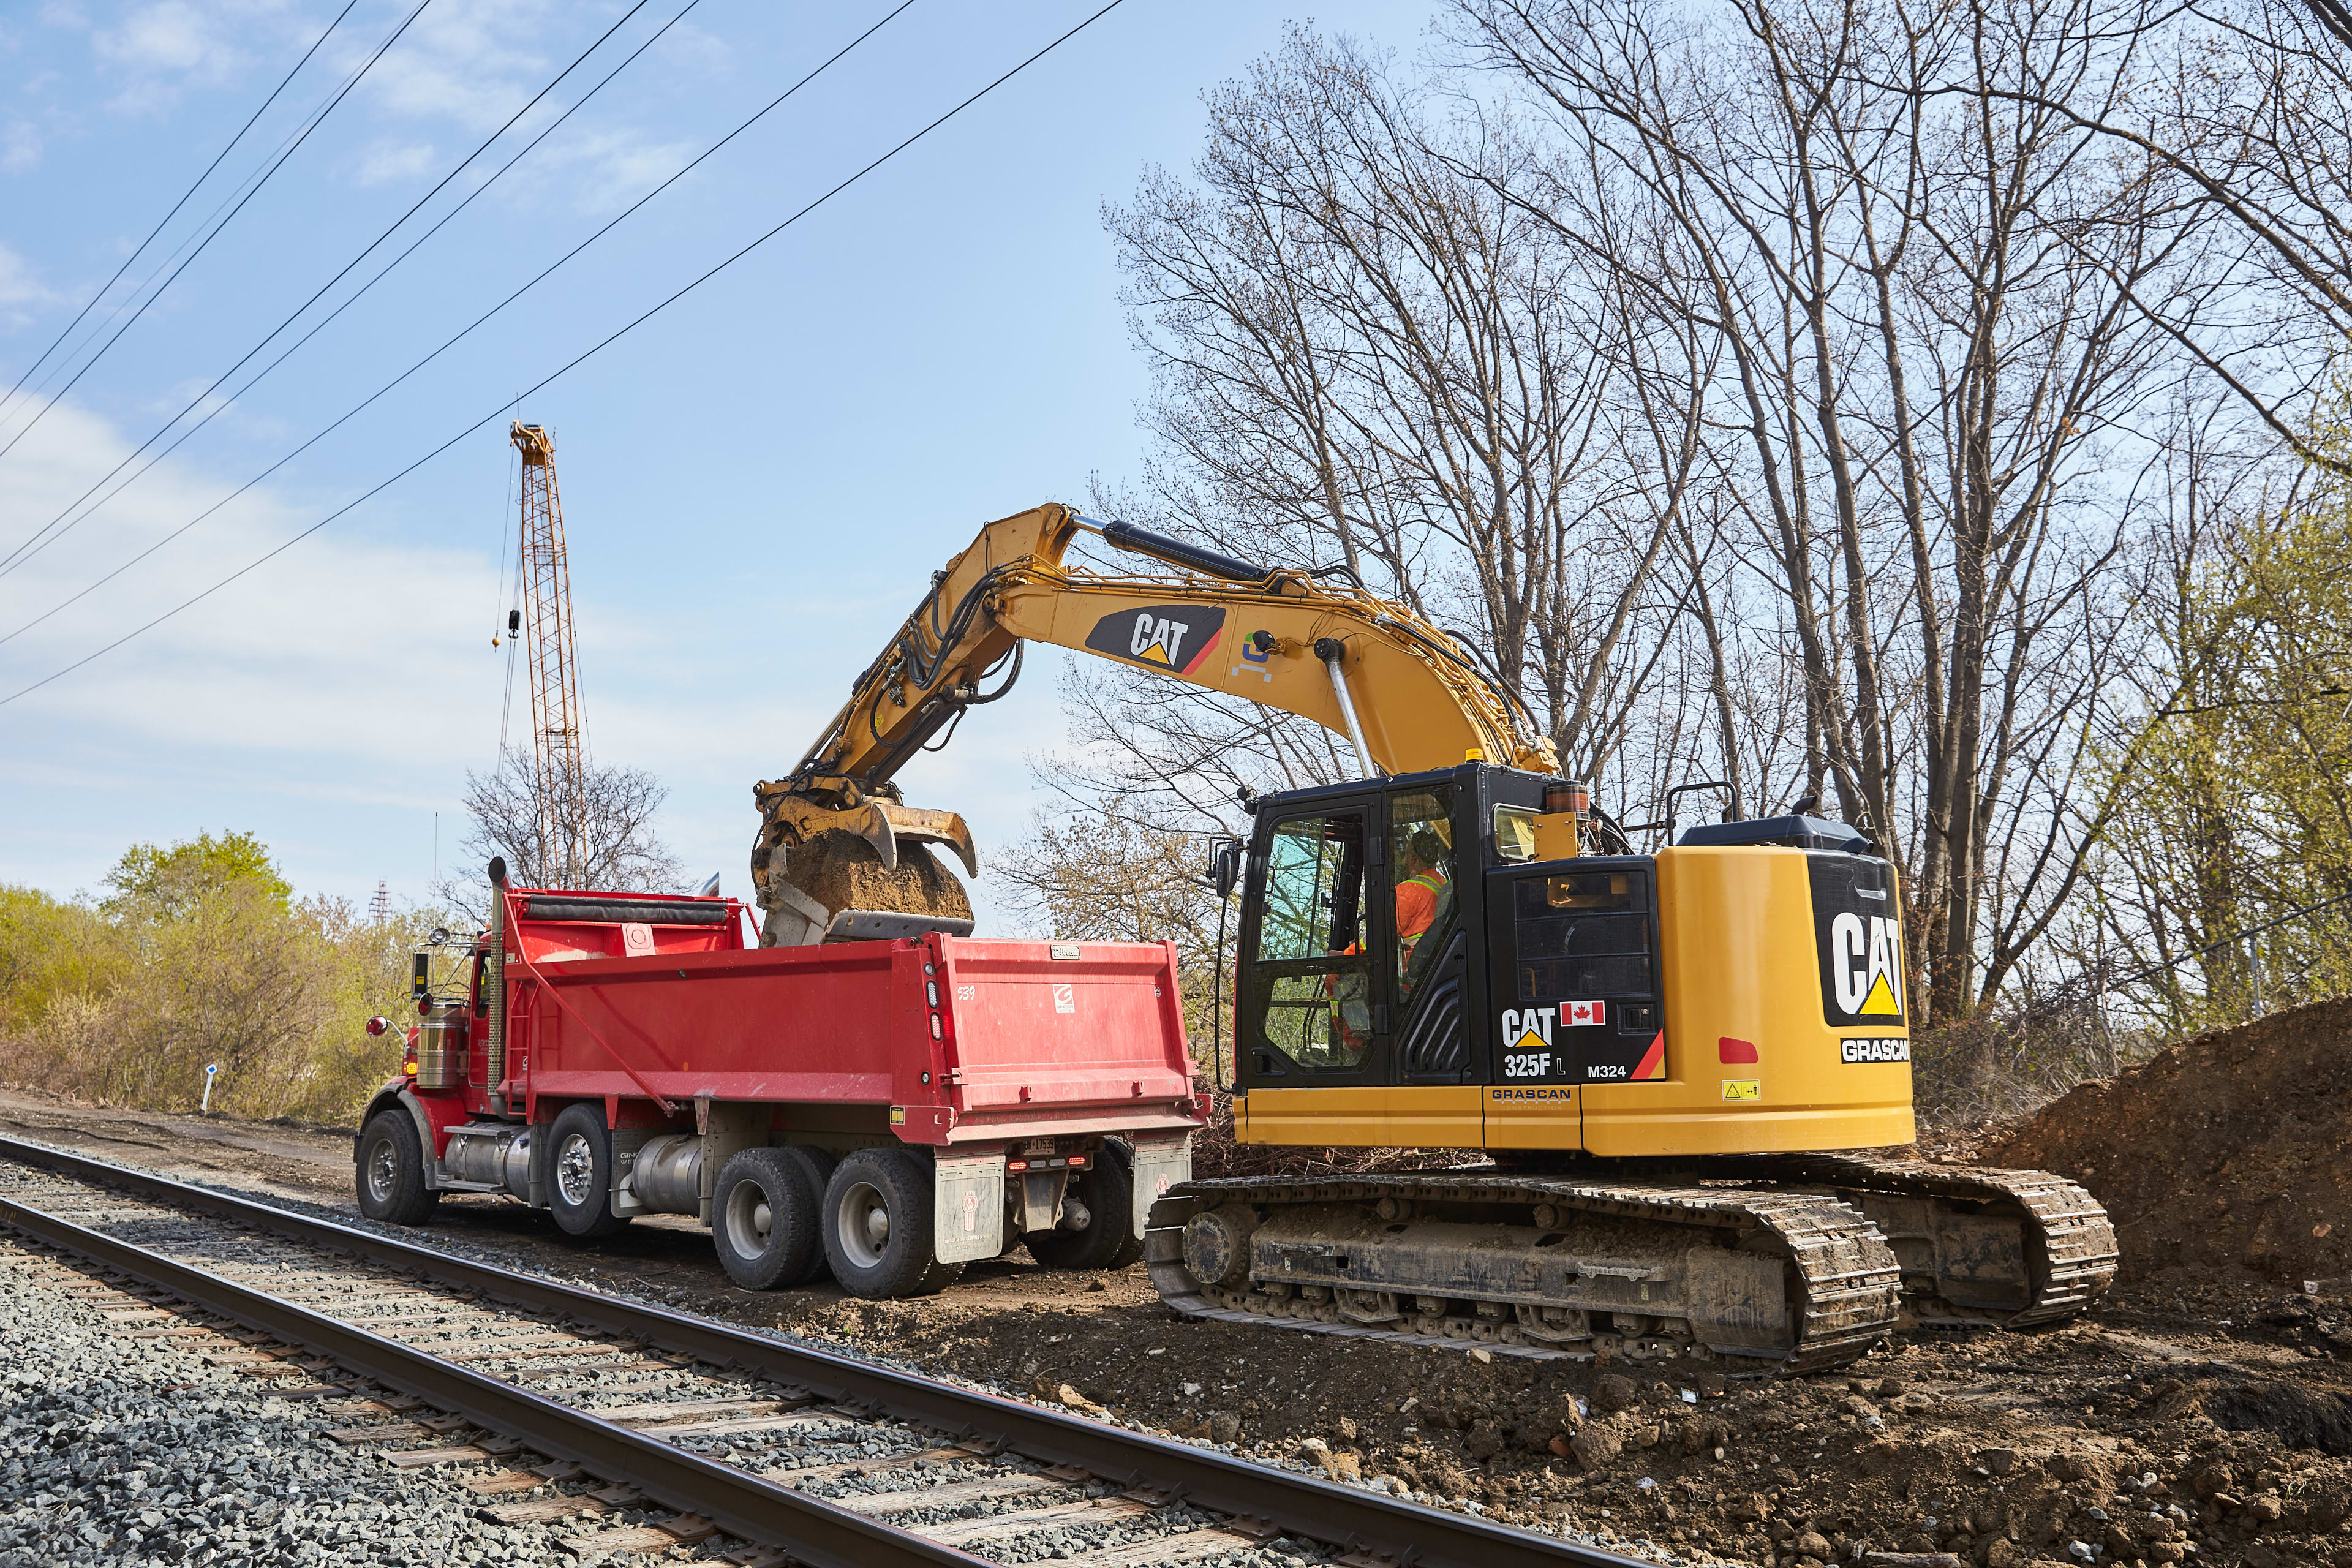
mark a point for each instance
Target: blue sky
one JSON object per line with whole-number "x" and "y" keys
{"x": 756, "y": 484}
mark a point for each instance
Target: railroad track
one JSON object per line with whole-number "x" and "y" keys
{"x": 555, "y": 1404}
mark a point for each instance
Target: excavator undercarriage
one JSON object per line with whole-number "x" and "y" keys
{"x": 1800, "y": 1262}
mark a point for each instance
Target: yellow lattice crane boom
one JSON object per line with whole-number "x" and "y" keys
{"x": 559, "y": 739}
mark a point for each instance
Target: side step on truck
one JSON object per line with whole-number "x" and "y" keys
{"x": 889, "y": 1107}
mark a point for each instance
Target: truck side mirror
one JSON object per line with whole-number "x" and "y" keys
{"x": 1225, "y": 866}
{"x": 378, "y": 1024}
{"x": 420, "y": 975}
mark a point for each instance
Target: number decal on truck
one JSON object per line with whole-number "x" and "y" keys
{"x": 966, "y": 992}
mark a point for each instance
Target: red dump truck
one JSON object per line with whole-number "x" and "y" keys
{"x": 891, "y": 1107}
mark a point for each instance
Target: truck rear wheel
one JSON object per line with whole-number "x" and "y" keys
{"x": 580, "y": 1173}
{"x": 763, "y": 1219}
{"x": 877, "y": 1226}
{"x": 391, "y": 1176}
{"x": 1107, "y": 1240}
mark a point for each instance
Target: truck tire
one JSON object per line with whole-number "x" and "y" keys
{"x": 763, "y": 1219}
{"x": 877, "y": 1226}
{"x": 580, "y": 1173}
{"x": 817, "y": 1166}
{"x": 390, "y": 1174}
{"x": 1107, "y": 1189}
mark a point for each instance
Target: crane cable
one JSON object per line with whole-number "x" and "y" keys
{"x": 215, "y": 232}
{"x": 44, "y": 537}
{"x": 185, "y": 196}
{"x": 570, "y": 364}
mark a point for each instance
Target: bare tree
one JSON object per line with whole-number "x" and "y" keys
{"x": 1369, "y": 354}
{"x": 1923, "y": 309}
{"x": 617, "y": 806}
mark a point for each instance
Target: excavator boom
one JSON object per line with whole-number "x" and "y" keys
{"x": 1404, "y": 694}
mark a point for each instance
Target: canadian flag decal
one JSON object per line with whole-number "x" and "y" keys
{"x": 1583, "y": 1015}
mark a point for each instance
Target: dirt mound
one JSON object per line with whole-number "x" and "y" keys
{"x": 842, "y": 871}
{"x": 2230, "y": 1150}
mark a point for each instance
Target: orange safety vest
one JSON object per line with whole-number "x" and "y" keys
{"x": 1408, "y": 939}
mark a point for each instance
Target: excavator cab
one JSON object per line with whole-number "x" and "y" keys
{"x": 1429, "y": 959}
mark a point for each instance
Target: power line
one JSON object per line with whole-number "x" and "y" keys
{"x": 41, "y": 412}
{"x": 185, "y": 197}
{"x": 570, "y": 364}
{"x": 133, "y": 297}
{"x": 43, "y": 537}
{"x": 452, "y": 341}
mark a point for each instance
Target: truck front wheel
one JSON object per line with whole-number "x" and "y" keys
{"x": 877, "y": 1226}
{"x": 392, "y": 1170}
{"x": 1105, "y": 1193}
{"x": 580, "y": 1173}
{"x": 764, "y": 1218}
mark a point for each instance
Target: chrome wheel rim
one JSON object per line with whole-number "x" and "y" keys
{"x": 862, "y": 1221}
{"x": 382, "y": 1171}
{"x": 575, "y": 1171}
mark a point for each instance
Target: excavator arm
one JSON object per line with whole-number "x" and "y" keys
{"x": 1404, "y": 694}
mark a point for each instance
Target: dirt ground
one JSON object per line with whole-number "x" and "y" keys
{"x": 2201, "y": 1413}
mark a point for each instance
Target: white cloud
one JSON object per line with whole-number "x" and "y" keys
{"x": 609, "y": 168}
{"x": 335, "y": 697}
{"x": 474, "y": 61}
{"x": 170, "y": 36}
{"x": 17, "y": 284}
{"x": 20, "y": 147}
{"x": 386, "y": 163}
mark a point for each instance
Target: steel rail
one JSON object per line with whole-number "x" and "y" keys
{"x": 1413, "y": 1534}
{"x": 811, "y": 1528}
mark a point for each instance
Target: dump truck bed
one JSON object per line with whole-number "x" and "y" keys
{"x": 962, "y": 1039}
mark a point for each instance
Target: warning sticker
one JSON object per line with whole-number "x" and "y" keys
{"x": 1743, "y": 1088}
{"x": 1873, "y": 1050}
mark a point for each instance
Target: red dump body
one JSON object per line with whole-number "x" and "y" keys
{"x": 948, "y": 1040}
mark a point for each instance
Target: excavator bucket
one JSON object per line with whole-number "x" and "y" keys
{"x": 843, "y": 874}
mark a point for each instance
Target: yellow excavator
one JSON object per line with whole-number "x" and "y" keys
{"x": 1670, "y": 1059}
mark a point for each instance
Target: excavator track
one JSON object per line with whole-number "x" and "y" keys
{"x": 1978, "y": 1247}
{"x": 1536, "y": 1266}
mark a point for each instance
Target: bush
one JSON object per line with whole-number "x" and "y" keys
{"x": 201, "y": 955}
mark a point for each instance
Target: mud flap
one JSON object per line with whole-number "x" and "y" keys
{"x": 1160, "y": 1164}
{"x": 1738, "y": 1301}
{"x": 968, "y": 1206}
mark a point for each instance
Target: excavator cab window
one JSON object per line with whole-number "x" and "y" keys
{"x": 1421, "y": 865}
{"x": 1311, "y": 997}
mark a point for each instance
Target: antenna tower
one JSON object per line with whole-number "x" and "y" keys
{"x": 379, "y": 907}
{"x": 559, "y": 743}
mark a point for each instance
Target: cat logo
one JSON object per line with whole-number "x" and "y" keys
{"x": 1860, "y": 940}
{"x": 1532, "y": 1028}
{"x": 1866, "y": 966}
{"x": 1175, "y": 637}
